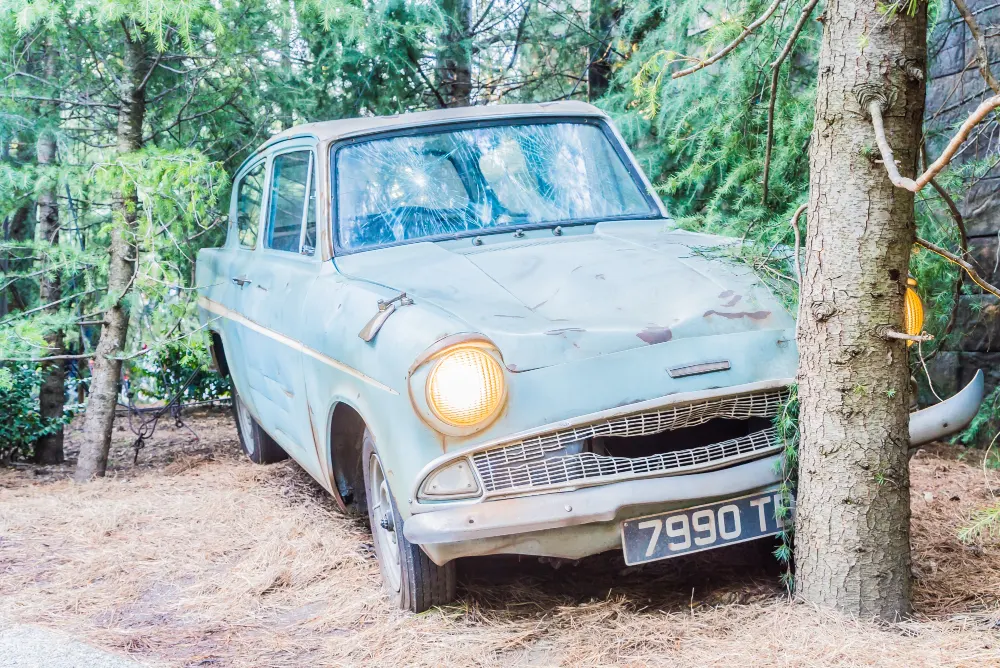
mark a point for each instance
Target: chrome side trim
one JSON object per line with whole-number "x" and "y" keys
{"x": 225, "y": 312}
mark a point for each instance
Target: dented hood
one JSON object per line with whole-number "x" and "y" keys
{"x": 548, "y": 300}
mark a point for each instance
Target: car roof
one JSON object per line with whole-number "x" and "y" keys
{"x": 349, "y": 127}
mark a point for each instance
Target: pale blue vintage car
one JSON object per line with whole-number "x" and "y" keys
{"x": 480, "y": 327}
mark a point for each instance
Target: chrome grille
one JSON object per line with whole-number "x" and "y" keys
{"x": 588, "y": 465}
{"x": 524, "y": 465}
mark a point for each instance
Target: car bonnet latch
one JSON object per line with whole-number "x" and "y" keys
{"x": 385, "y": 309}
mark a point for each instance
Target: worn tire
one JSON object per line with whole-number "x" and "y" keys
{"x": 414, "y": 582}
{"x": 258, "y": 446}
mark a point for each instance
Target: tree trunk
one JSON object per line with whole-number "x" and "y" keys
{"x": 49, "y": 448}
{"x": 456, "y": 58}
{"x": 105, "y": 380}
{"x": 16, "y": 228}
{"x": 852, "y": 526}
{"x": 603, "y": 17}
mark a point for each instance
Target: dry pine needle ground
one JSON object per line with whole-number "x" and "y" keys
{"x": 197, "y": 557}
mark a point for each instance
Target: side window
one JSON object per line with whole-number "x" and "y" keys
{"x": 289, "y": 205}
{"x": 248, "y": 204}
{"x": 309, "y": 237}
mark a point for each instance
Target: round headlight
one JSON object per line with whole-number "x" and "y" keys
{"x": 465, "y": 387}
{"x": 913, "y": 311}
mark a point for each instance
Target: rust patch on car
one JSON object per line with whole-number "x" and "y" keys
{"x": 652, "y": 335}
{"x": 732, "y": 302}
{"x": 753, "y": 315}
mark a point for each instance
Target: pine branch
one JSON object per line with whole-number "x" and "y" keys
{"x": 954, "y": 259}
{"x": 775, "y": 70}
{"x": 702, "y": 64}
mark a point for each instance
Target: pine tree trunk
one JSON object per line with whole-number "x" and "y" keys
{"x": 456, "y": 59}
{"x": 49, "y": 448}
{"x": 105, "y": 380}
{"x": 852, "y": 527}
{"x": 603, "y": 16}
{"x": 15, "y": 228}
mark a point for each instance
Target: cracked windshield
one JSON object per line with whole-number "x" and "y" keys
{"x": 476, "y": 180}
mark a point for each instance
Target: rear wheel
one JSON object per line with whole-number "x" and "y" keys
{"x": 259, "y": 447}
{"x": 413, "y": 581}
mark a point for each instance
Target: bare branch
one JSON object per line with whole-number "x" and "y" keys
{"x": 884, "y": 332}
{"x": 702, "y": 64}
{"x": 52, "y": 358}
{"x": 775, "y": 70}
{"x": 982, "y": 55}
{"x": 964, "y": 264}
{"x": 875, "y": 108}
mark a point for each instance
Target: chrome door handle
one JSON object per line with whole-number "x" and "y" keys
{"x": 241, "y": 280}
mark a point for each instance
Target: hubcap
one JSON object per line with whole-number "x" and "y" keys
{"x": 246, "y": 425}
{"x": 384, "y": 531}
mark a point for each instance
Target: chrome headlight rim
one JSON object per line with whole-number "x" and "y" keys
{"x": 432, "y": 374}
{"x": 421, "y": 372}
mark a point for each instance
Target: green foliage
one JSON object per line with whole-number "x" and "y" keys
{"x": 786, "y": 423}
{"x": 986, "y": 423}
{"x": 21, "y": 425}
{"x": 178, "y": 368}
{"x": 702, "y": 137}
{"x": 984, "y": 524}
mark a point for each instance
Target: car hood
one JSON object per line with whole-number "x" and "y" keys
{"x": 599, "y": 290}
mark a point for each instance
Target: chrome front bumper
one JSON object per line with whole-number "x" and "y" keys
{"x": 543, "y": 523}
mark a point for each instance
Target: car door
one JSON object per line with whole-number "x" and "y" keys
{"x": 231, "y": 290}
{"x": 280, "y": 279}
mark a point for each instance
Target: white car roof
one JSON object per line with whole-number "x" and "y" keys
{"x": 348, "y": 127}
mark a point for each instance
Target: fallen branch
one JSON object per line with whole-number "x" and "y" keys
{"x": 875, "y": 109}
{"x": 702, "y": 64}
{"x": 979, "y": 39}
{"x": 775, "y": 70}
{"x": 969, "y": 269}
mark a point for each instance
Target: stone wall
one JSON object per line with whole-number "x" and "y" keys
{"x": 955, "y": 87}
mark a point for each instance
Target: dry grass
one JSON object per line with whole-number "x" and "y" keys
{"x": 209, "y": 560}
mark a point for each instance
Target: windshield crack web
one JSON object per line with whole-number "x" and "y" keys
{"x": 445, "y": 184}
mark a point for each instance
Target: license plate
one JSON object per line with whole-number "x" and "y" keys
{"x": 701, "y": 528}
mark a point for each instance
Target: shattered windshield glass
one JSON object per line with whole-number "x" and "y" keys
{"x": 481, "y": 179}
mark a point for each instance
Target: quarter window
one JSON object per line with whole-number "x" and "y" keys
{"x": 248, "y": 205}
{"x": 291, "y": 220}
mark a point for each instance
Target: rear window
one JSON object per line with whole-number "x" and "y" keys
{"x": 250, "y": 194}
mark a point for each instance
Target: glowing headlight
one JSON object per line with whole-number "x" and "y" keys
{"x": 465, "y": 387}
{"x": 913, "y": 311}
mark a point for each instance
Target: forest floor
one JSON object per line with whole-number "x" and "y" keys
{"x": 196, "y": 557}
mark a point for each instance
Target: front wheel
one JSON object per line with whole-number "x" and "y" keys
{"x": 258, "y": 446}
{"x": 414, "y": 582}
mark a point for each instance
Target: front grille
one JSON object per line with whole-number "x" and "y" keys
{"x": 524, "y": 465}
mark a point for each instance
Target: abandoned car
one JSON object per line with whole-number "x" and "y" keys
{"x": 480, "y": 327}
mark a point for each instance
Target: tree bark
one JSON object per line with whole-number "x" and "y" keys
{"x": 16, "y": 228}
{"x": 105, "y": 380}
{"x": 852, "y": 526}
{"x": 51, "y": 397}
{"x": 456, "y": 57}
